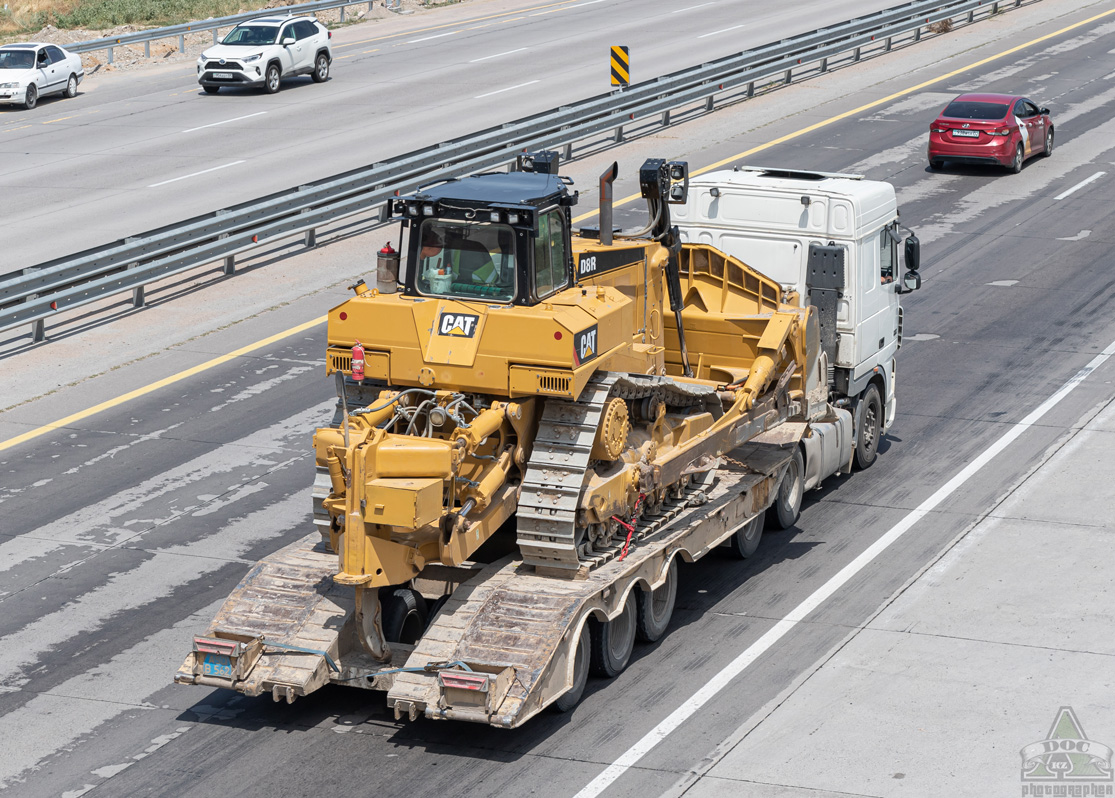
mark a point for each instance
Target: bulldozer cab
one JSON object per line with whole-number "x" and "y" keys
{"x": 491, "y": 238}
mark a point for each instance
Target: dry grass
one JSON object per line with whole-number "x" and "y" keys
{"x": 944, "y": 26}
{"x": 27, "y": 16}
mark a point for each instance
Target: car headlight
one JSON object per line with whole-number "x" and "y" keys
{"x": 251, "y": 58}
{"x": 9, "y": 85}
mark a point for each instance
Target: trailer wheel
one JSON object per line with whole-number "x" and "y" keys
{"x": 871, "y": 427}
{"x": 613, "y": 642}
{"x": 745, "y": 542}
{"x": 653, "y": 608}
{"x": 784, "y": 513}
{"x": 582, "y": 658}
{"x": 404, "y": 615}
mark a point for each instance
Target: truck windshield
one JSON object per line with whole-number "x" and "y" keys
{"x": 466, "y": 260}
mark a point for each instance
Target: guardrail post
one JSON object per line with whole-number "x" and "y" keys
{"x": 110, "y": 55}
{"x": 618, "y": 137}
{"x": 971, "y": 16}
{"x": 567, "y": 155}
{"x": 38, "y": 331}
{"x": 311, "y": 238}
{"x": 789, "y": 75}
{"x": 342, "y": 14}
{"x": 181, "y": 42}
{"x": 917, "y": 34}
{"x": 751, "y": 89}
{"x": 994, "y": 8}
{"x": 855, "y": 54}
{"x": 888, "y": 43}
{"x": 824, "y": 65}
{"x": 147, "y": 49}
{"x": 230, "y": 265}
{"x": 214, "y": 35}
{"x": 665, "y": 118}
{"x": 710, "y": 102}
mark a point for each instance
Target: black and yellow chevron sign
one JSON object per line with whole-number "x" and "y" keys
{"x": 621, "y": 66}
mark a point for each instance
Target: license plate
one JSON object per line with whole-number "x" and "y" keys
{"x": 970, "y": 134}
{"x": 217, "y": 665}
{"x": 222, "y": 75}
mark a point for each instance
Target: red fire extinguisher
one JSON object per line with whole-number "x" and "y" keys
{"x": 357, "y": 362}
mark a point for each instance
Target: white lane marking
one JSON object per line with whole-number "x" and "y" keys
{"x": 586, "y": 3}
{"x": 722, "y": 30}
{"x": 435, "y": 36}
{"x": 690, "y": 8}
{"x": 1078, "y": 237}
{"x": 1003, "y": 283}
{"x": 234, "y": 119}
{"x": 495, "y": 55}
{"x": 195, "y": 174}
{"x": 501, "y": 91}
{"x": 1080, "y": 185}
{"x": 734, "y": 668}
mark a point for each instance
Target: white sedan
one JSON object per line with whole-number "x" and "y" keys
{"x": 33, "y": 70}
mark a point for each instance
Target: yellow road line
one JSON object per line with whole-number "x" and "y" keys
{"x": 146, "y": 389}
{"x": 373, "y": 50}
{"x": 450, "y": 25}
{"x": 59, "y": 119}
{"x": 91, "y": 411}
{"x": 867, "y": 107}
{"x": 10, "y": 129}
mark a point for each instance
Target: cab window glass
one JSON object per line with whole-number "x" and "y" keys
{"x": 467, "y": 260}
{"x": 56, "y": 55}
{"x": 304, "y": 30}
{"x": 550, "y": 274}
{"x": 43, "y": 57}
{"x": 288, "y": 33}
{"x": 886, "y": 256}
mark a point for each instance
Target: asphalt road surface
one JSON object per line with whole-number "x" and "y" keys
{"x": 137, "y": 151}
{"x": 121, "y": 532}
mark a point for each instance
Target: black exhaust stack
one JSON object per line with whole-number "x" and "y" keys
{"x": 606, "y": 181}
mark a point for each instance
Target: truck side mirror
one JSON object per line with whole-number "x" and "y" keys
{"x": 913, "y": 253}
{"x": 911, "y": 281}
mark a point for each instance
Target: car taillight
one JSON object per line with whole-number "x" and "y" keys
{"x": 938, "y": 129}
{"x": 330, "y": 34}
{"x": 1003, "y": 131}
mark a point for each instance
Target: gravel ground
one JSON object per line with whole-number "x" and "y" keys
{"x": 128, "y": 58}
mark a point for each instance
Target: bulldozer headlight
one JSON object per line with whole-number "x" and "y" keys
{"x": 512, "y": 218}
{"x": 412, "y": 209}
{"x": 495, "y": 217}
{"x": 427, "y": 210}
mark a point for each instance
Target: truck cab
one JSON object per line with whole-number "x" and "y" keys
{"x": 831, "y": 240}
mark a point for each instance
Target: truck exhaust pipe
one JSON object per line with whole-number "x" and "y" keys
{"x": 606, "y": 180}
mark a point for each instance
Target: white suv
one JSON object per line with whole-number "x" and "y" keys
{"x": 266, "y": 50}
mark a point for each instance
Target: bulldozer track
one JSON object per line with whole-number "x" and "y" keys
{"x": 548, "y": 535}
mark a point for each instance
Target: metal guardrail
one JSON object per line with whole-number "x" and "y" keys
{"x": 145, "y": 37}
{"x": 33, "y": 294}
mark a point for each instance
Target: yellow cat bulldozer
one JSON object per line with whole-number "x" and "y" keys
{"x": 534, "y": 424}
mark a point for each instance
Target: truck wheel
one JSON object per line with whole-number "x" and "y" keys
{"x": 746, "y": 541}
{"x": 613, "y": 642}
{"x": 581, "y": 661}
{"x": 653, "y": 608}
{"x": 404, "y": 615}
{"x": 871, "y": 428}
{"x": 784, "y": 513}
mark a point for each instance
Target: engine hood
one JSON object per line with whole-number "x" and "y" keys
{"x": 230, "y": 52}
{"x": 16, "y": 75}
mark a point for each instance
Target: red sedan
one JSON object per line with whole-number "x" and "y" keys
{"x": 1002, "y": 129}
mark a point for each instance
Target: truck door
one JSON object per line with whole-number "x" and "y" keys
{"x": 877, "y": 313}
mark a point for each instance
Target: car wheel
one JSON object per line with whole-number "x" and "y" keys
{"x": 1016, "y": 164}
{"x": 1048, "y": 142}
{"x": 871, "y": 425}
{"x": 271, "y": 79}
{"x": 211, "y": 89}
{"x": 31, "y": 99}
{"x": 321, "y": 68}
{"x": 71, "y": 87}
